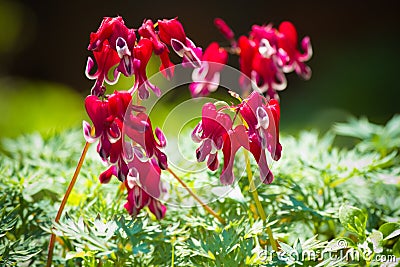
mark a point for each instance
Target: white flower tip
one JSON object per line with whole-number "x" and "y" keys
{"x": 265, "y": 48}
{"x": 87, "y": 132}
{"x": 262, "y": 118}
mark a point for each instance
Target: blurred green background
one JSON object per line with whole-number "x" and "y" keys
{"x": 355, "y": 62}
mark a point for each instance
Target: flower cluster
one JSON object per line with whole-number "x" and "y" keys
{"x": 264, "y": 58}
{"x": 268, "y": 53}
{"x": 130, "y": 50}
{"x": 136, "y": 160}
{"x": 126, "y": 142}
{"x": 258, "y": 133}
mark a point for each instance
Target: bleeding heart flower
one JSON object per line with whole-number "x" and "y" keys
{"x": 171, "y": 32}
{"x": 262, "y": 119}
{"x": 147, "y": 141}
{"x": 143, "y": 52}
{"x": 171, "y": 29}
{"x": 105, "y": 58}
{"x": 144, "y": 188}
{"x": 206, "y": 78}
{"x": 113, "y": 39}
{"x": 215, "y": 132}
{"x": 111, "y": 29}
{"x": 294, "y": 59}
{"x": 267, "y": 54}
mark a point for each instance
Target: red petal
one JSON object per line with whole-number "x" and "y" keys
{"x": 247, "y": 52}
{"x": 105, "y": 176}
{"x": 166, "y": 67}
{"x": 171, "y": 29}
{"x": 119, "y": 102}
{"x": 157, "y": 209}
{"x": 289, "y": 31}
{"x": 98, "y": 113}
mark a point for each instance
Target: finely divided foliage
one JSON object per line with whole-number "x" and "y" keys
{"x": 312, "y": 182}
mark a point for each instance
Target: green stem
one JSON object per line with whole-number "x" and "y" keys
{"x": 173, "y": 254}
{"x": 64, "y": 202}
{"x": 259, "y": 206}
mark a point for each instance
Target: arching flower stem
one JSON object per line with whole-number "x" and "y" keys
{"x": 205, "y": 206}
{"x": 65, "y": 199}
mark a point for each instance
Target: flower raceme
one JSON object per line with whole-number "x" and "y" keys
{"x": 264, "y": 56}
{"x": 126, "y": 142}
{"x": 259, "y": 133}
{"x": 136, "y": 162}
{"x": 273, "y": 53}
{"x": 267, "y": 54}
{"x": 262, "y": 119}
{"x": 130, "y": 50}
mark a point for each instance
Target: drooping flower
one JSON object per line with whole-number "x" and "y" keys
{"x": 206, "y": 78}
{"x": 267, "y": 77}
{"x": 111, "y": 29}
{"x": 149, "y": 147}
{"x": 111, "y": 41}
{"x": 215, "y": 132}
{"x": 266, "y": 34}
{"x": 293, "y": 58}
{"x": 260, "y": 67}
{"x": 106, "y": 115}
{"x": 147, "y": 192}
{"x": 143, "y": 51}
{"x": 259, "y": 133}
{"x": 262, "y": 119}
{"x": 211, "y": 130}
{"x": 144, "y": 187}
{"x": 171, "y": 32}
{"x": 105, "y": 58}
{"x": 147, "y": 31}
{"x": 137, "y": 199}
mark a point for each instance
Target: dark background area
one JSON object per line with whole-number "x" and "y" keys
{"x": 355, "y": 61}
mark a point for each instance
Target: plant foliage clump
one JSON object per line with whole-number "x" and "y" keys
{"x": 328, "y": 206}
